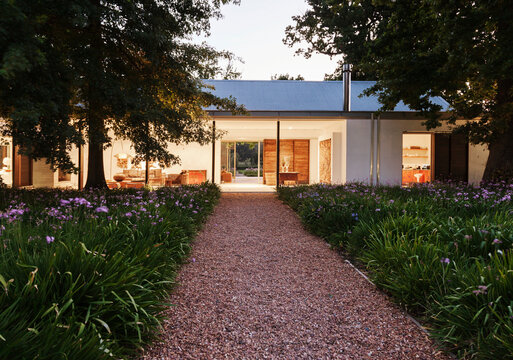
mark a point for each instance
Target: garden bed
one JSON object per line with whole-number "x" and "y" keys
{"x": 85, "y": 275}
{"x": 442, "y": 251}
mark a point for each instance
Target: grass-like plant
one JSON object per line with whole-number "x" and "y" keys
{"x": 86, "y": 275}
{"x": 443, "y": 251}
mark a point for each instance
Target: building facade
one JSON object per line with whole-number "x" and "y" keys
{"x": 321, "y": 139}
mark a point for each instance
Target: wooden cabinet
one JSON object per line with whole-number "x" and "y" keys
{"x": 410, "y": 176}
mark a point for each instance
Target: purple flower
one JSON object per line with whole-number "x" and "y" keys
{"x": 102, "y": 209}
{"x": 49, "y": 239}
{"x": 445, "y": 260}
{"x": 497, "y": 241}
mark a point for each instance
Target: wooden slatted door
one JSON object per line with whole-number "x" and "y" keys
{"x": 297, "y": 152}
{"x": 269, "y": 166}
{"x": 302, "y": 160}
{"x": 23, "y": 171}
{"x": 451, "y": 157}
{"x": 325, "y": 161}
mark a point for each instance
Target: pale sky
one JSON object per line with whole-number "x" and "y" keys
{"x": 254, "y": 31}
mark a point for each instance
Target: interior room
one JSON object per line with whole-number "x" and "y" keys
{"x": 417, "y": 158}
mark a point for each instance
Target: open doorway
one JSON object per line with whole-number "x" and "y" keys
{"x": 417, "y": 158}
{"x": 241, "y": 162}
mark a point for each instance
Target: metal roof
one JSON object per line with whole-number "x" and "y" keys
{"x": 294, "y": 95}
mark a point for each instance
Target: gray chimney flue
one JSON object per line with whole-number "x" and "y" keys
{"x": 346, "y": 72}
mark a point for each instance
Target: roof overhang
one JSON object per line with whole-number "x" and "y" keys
{"x": 316, "y": 115}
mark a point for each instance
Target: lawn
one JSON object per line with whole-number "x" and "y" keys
{"x": 444, "y": 252}
{"x": 86, "y": 275}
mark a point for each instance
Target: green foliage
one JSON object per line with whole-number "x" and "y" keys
{"x": 445, "y": 252}
{"x": 460, "y": 50}
{"x": 87, "y": 275}
{"x": 124, "y": 66}
{"x": 286, "y": 77}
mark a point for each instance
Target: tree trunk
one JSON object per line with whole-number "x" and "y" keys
{"x": 500, "y": 161}
{"x": 95, "y": 169}
{"x": 95, "y": 114}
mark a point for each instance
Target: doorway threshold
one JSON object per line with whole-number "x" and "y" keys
{"x": 246, "y": 188}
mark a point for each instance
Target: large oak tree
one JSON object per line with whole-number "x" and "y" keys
{"x": 416, "y": 49}
{"x": 77, "y": 71}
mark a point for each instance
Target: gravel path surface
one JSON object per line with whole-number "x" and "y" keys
{"x": 258, "y": 286}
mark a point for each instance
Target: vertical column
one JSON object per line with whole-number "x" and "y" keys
{"x": 378, "y": 149}
{"x": 277, "y": 154}
{"x": 213, "y": 152}
{"x": 234, "y": 160}
{"x": 371, "y": 175}
{"x": 258, "y": 161}
{"x": 13, "y": 164}
{"x": 80, "y": 166}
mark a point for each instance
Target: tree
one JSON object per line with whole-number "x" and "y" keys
{"x": 460, "y": 50}
{"x": 125, "y": 66}
{"x": 286, "y": 77}
{"x": 34, "y": 85}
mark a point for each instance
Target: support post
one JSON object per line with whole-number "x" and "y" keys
{"x": 80, "y": 165}
{"x": 13, "y": 164}
{"x": 277, "y": 154}
{"x": 147, "y": 157}
{"x": 147, "y": 171}
{"x": 258, "y": 161}
{"x": 371, "y": 174}
{"x": 378, "y": 148}
{"x": 234, "y": 160}
{"x": 214, "y": 152}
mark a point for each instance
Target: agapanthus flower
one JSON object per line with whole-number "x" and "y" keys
{"x": 102, "y": 209}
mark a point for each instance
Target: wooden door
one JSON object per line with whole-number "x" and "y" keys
{"x": 325, "y": 161}
{"x": 302, "y": 160}
{"x": 269, "y": 166}
{"x": 23, "y": 170}
{"x": 298, "y": 154}
{"x": 451, "y": 157}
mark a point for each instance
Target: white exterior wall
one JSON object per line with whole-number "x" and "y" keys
{"x": 390, "y": 165}
{"x": 350, "y": 150}
{"x": 478, "y": 155}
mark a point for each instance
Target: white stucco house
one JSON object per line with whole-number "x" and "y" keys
{"x": 327, "y": 132}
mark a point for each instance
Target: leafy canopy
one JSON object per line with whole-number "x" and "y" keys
{"x": 98, "y": 65}
{"x": 417, "y": 49}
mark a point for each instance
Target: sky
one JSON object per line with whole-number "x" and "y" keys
{"x": 254, "y": 31}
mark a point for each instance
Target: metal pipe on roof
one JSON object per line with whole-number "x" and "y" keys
{"x": 346, "y": 76}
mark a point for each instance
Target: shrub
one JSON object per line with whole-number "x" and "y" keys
{"x": 85, "y": 275}
{"x": 443, "y": 251}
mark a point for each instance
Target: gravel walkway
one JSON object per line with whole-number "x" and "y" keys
{"x": 259, "y": 286}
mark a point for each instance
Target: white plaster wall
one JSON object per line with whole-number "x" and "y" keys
{"x": 314, "y": 161}
{"x": 478, "y": 156}
{"x": 358, "y": 150}
{"x": 357, "y": 160}
{"x": 42, "y": 174}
